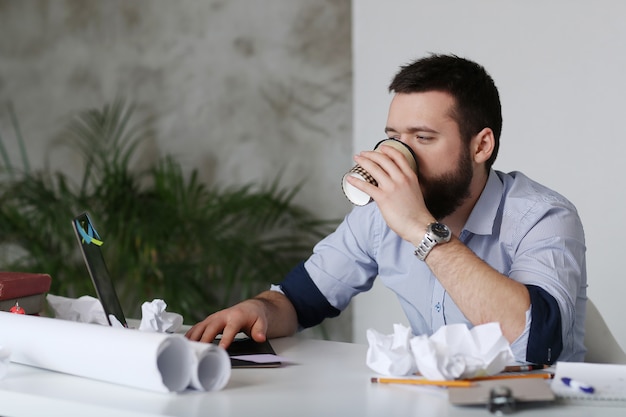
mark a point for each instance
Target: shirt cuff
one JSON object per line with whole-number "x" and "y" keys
{"x": 520, "y": 344}
{"x": 277, "y": 288}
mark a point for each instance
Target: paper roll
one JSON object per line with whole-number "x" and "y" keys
{"x": 152, "y": 361}
{"x": 212, "y": 369}
{"x": 5, "y": 358}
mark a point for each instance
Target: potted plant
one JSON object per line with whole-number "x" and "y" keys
{"x": 199, "y": 247}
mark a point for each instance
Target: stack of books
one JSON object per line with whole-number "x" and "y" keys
{"x": 26, "y": 289}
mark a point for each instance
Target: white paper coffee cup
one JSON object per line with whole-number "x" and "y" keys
{"x": 358, "y": 197}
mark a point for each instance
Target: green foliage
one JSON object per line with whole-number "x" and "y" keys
{"x": 166, "y": 235}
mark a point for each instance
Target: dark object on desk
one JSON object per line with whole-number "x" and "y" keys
{"x": 32, "y": 304}
{"x": 14, "y": 285}
{"x": 247, "y": 346}
{"x": 501, "y": 400}
{"x": 524, "y": 390}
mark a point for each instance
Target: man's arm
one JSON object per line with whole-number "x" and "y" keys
{"x": 481, "y": 293}
{"x": 268, "y": 315}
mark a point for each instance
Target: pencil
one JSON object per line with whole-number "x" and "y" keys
{"x": 544, "y": 375}
{"x": 524, "y": 368}
{"x": 414, "y": 381}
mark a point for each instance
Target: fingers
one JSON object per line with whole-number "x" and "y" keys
{"x": 204, "y": 331}
{"x": 246, "y": 316}
{"x": 259, "y": 331}
{"x": 391, "y": 171}
{"x": 228, "y": 335}
{"x": 389, "y": 160}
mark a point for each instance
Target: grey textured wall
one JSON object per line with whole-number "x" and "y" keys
{"x": 240, "y": 89}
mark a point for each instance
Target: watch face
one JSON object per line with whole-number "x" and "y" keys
{"x": 440, "y": 230}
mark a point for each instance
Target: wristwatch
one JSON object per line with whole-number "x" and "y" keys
{"x": 435, "y": 233}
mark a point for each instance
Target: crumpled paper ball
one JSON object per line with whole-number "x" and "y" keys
{"x": 452, "y": 352}
{"x": 391, "y": 354}
{"x": 154, "y": 318}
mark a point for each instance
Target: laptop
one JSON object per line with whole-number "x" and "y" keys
{"x": 90, "y": 243}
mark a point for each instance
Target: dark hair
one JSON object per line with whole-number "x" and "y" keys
{"x": 477, "y": 100}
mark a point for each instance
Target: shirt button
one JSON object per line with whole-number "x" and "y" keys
{"x": 438, "y": 307}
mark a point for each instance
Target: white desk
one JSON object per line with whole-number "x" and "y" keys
{"x": 325, "y": 379}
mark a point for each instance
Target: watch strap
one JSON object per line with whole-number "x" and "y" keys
{"x": 431, "y": 239}
{"x": 425, "y": 247}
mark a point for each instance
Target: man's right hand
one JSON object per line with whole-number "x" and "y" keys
{"x": 270, "y": 314}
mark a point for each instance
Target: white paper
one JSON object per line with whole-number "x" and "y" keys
{"x": 452, "y": 352}
{"x": 261, "y": 358}
{"x": 5, "y": 357}
{"x": 85, "y": 309}
{"x": 153, "y": 361}
{"x": 607, "y": 380}
{"x": 391, "y": 354}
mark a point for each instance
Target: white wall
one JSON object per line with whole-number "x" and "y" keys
{"x": 560, "y": 67}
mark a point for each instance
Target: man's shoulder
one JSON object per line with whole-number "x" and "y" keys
{"x": 526, "y": 203}
{"x": 518, "y": 186}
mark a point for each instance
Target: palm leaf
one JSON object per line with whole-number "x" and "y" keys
{"x": 197, "y": 246}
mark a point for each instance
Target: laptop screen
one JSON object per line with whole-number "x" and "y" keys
{"x": 90, "y": 244}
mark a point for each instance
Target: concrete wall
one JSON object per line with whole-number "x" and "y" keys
{"x": 242, "y": 90}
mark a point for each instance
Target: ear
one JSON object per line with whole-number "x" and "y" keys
{"x": 482, "y": 145}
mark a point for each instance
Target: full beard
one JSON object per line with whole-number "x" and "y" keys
{"x": 444, "y": 194}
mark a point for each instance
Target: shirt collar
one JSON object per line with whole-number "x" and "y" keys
{"x": 481, "y": 220}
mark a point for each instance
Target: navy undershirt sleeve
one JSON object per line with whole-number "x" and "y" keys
{"x": 310, "y": 304}
{"x": 545, "y": 341}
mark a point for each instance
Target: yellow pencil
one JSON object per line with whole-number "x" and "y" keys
{"x": 415, "y": 381}
{"x": 458, "y": 382}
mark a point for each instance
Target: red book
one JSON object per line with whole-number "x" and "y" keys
{"x": 22, "y": 284}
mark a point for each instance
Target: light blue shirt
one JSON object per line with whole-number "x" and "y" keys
{"x": 522, "y": 229}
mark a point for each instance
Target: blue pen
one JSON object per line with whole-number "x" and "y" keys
{"x": 572, "y": 383}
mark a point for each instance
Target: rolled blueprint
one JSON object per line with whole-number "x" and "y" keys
{"x": 153, "y": 361}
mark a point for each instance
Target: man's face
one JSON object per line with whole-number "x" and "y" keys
{"x": 423, "y": 121}
{"x": 445, "y": 193}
